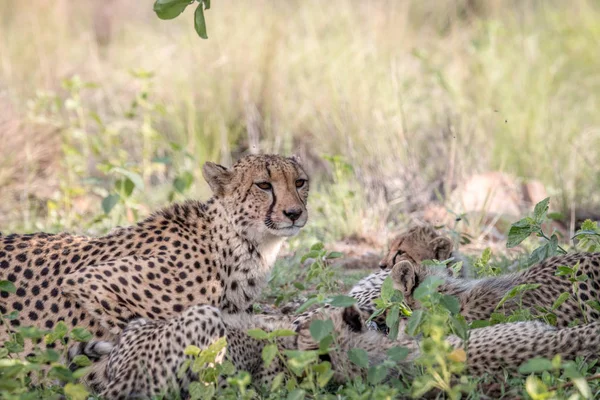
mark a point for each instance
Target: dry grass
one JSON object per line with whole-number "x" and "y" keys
{"x": 414, "y": 95}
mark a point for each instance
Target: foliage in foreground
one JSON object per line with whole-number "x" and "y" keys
{"x": 438, "y": 368}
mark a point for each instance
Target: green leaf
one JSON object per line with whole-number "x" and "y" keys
{"x": 398, "y": 353}
{"x": 311, "y": 254}
{"x": 296, "y": 394}
{"x": 342, "y": 301}
{"x": 517, "y": 290}
{"x": 479, "y": 324}
{"x": 269, "y": 352}
{"x": 560, "y": 300}
{"x": 387, "y": 289}
{"x": 317, "y": 246}
{"x": 7, "y": 286}
{"x": 535, "y": 365}
{"x": 183, "y": 182}
{"x": 427, "y": 287}
{"x": 376, "y": 374}
{"x": 392, "y": 320}
{"x": 564, "y": 271}
{"x": 414, "y": 322}
{"x": 200, "y": 22}
{"x": 299, "y": 286}
{"x": 319, "y": 329}
{"x": 81, "y": 361}
{"x": 135, "y": 178}
{"x": 334, "y": 254}
{"x": 584, "y": 388}
{"x": 451, "y": 303}
{"x": 277, "y": 381}
{"x": 282, "y": 333}
{"x": 359, "y": 357}
{"x": 81, "y": 335}
{"x": 258, "y": 334}
{"x": 310, "y": 302}
{"x": 109, "y": 202}
{"x": 540, "y": 210}
{"x": 518, "y": 232}
{"x": 61, "y": 373}
{"x": 169, "y": 9}
{"x": 76, "y": 391}
{"x": 595, "y": 304}
{"x": 125, "y": 187}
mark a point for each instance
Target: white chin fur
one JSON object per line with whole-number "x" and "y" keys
{"x": 285, "y": 232}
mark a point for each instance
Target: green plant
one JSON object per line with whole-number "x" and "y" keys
{"x": 523, "y": 228}
{"x": 588, "y": 237}
{"x": 169, "y": 9}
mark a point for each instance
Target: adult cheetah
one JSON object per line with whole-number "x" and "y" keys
{"x": 218, "y": 253}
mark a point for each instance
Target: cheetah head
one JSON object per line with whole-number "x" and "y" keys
{"x": 349, "y": 332}
{"x": 418, "y": 244}
{"x": 407, "y": 276}
{"x": 262, "y": 194}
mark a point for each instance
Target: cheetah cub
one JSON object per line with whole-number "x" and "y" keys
{"x": 218, "y": 253}
{"x": 145, "y": 359}
{"x": 480, "y": 297}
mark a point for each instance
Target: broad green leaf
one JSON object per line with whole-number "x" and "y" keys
{"x": 584, "y": 388}
{"x": 124, "y": 187}
{"x": 560, "y": 300}
{"x": 414, "y": 322}
{"x": 427, "y": 287}
{"x": 169, "y": 9}
{"x": 398, "y": 353}
{"x": 81, "y": 335}
{"x": 81, "y": 361}
{"x": 76, "y": 391}
{"x": 311, "y": 254}
{"x": 281, "y": 333}
{"x": 387, "y": 289}
{"x": 334, "y": 254}
{"x": 518, "y": 232}
{"x": 277, "y": 381}
{"x": 376, "y": 374}
{"x": 258, "y": 334}
{"x": 535, "y": 365}
{"x": 7, "y": 286}
{"x": 183, "y": 182}
{"x": 61, "y": 373}
{"x": 310, "y": 302}
{"x": 342, "y": 301}
{"x": 359, "y": 357}
{"x": 109, "y": 202}
{"x": 325, "y": 343}
{"x": 269, "y": 353}
{"x": 319, "y": 329}
{"x": 392, "y": 320}
{"x": 479, "y": 324}
{"x": 296, "y": 394}
{"x": 536, "y": 388}
{"x": 595, "y": 304}
{"x": 324, "y": 378}
{"x": 451, "y": 303}
{"x": 317, "y": 246}
{"x": 564, "y": 271}
{"x": 134, "y": 177}
{"x": 540, "y": 210}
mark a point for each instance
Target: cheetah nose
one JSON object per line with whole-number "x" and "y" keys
{"x": 293, "y": 213}
{"x": 382, "y": 265}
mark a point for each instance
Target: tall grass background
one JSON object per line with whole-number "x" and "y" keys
{"x": 390, "y": 103}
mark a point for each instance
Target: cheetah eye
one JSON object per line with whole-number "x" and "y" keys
{"x": 300, "y": 182}
{"x": 264, "y": 185}
{"x": 398, "y": 254}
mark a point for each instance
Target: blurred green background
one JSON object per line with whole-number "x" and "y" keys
{"x": 107, "y": 112}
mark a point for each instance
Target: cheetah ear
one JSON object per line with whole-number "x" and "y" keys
{"x": 296, "y": 158}
{"x": 217, "y": 177}
{"x": 351, "y": 316}
{"x": 442, "y": 248}
{"x": 404, "y": 276}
